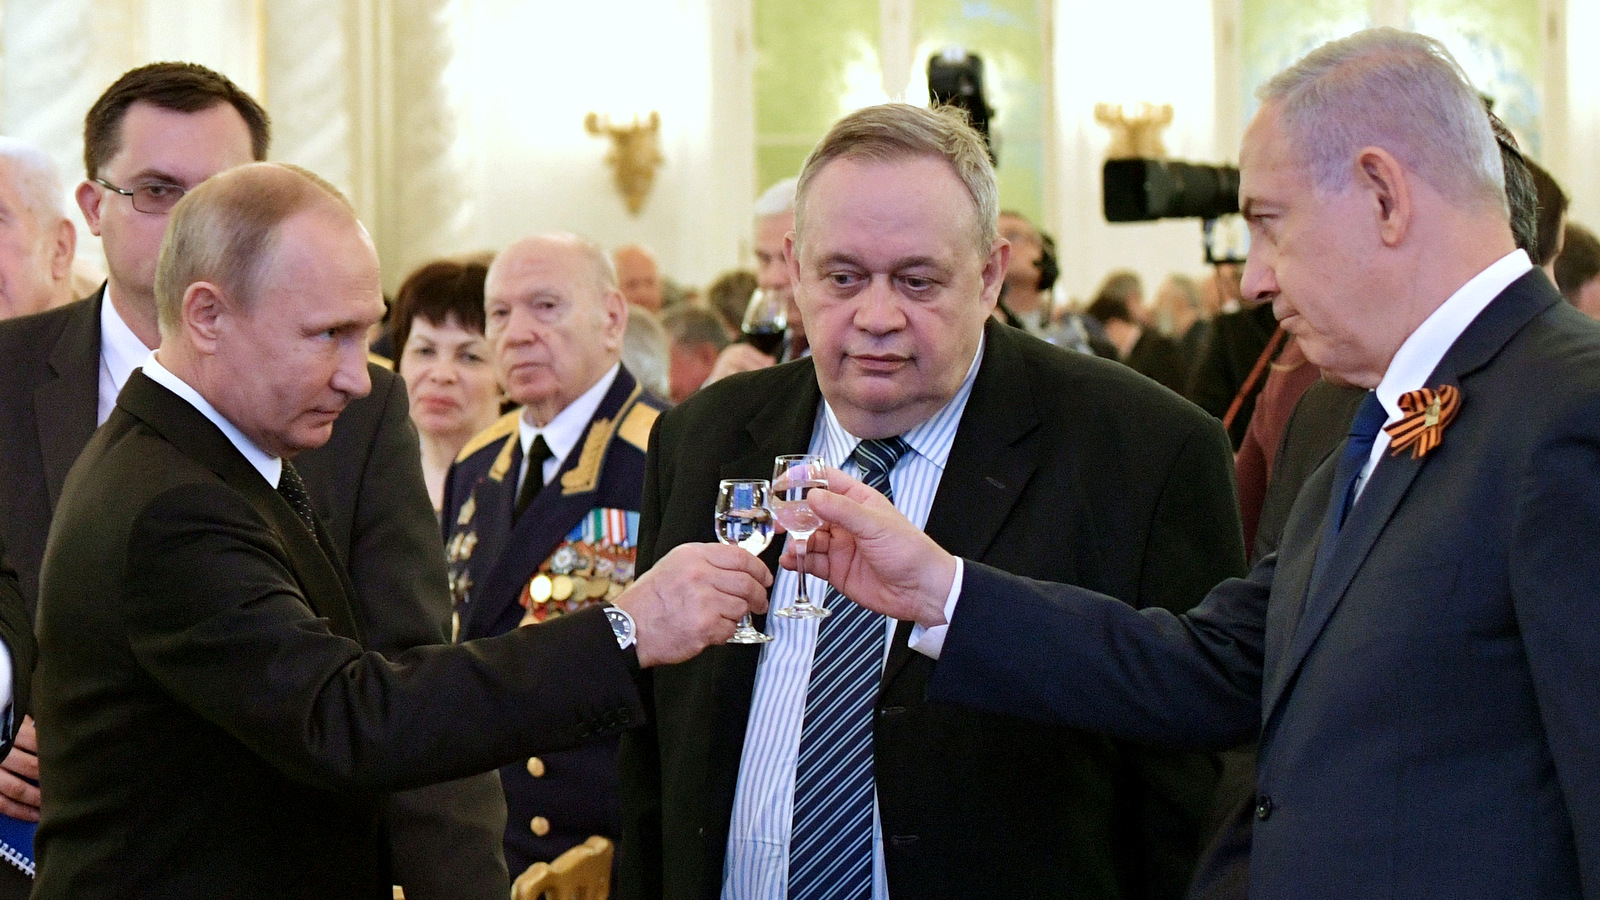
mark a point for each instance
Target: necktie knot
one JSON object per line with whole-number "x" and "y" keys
{"x": 877, "y": 458}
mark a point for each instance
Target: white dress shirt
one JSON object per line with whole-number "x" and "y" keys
{"x": 121, "y": 352}
{"x": 757, "y": 863}
{"x": 562, "y": 433}
{"x": 1420, "y": 354}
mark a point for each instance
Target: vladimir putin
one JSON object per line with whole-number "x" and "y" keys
{"x": 210, "y": 725}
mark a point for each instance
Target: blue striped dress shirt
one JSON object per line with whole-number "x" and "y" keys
{"x": 757, "y": 862}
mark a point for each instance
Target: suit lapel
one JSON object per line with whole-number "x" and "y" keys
{"x": 324, "y": 586}
{"x": 66, "y": 408}
{"x": 1392, "y": 478}
{"x": 991, "y": 461}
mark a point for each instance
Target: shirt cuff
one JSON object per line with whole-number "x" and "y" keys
{"x": 930, "y": 641}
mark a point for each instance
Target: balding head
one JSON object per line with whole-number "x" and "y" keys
{"x": 36, "y": 239}
{"x": 638, "y": 276}
{"x": 266, "y": 287}
{"x": 555, "y": 320}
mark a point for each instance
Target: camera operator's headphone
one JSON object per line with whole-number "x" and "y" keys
{"x": 1049, "y": 269}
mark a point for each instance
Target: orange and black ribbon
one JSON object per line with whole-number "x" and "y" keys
{"x": 1426, "y": 413}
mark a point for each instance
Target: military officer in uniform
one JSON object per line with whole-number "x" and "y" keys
{"x": 542, "y": 508}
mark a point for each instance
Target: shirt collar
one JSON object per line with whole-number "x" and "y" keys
{"x": 931, "y": 440}
{"x": 120, "y": 348}
{"x": 270, "y": 467}
{"x": 562, "y": 434}
{"x": 1420, "y": 354}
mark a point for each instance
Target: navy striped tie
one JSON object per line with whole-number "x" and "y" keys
{"x": 830, "y": 846}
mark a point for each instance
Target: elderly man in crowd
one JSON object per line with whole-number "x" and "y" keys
{"x": 774, "y": 220}
{"x": 36, "y": 238}
{"x": 1043, "y": 462}
{"x": 696, "y": 337}
{"x": 1416, "y": 657}
{"x": 544, "y": 506}
{"x": 157, "y": 132}
{"x": 211, "y": 724}
{"x": 638, "y": 276}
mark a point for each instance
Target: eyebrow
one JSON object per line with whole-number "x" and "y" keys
{"x": 909, "y": 262}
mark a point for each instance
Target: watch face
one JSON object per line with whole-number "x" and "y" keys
{"x": 621, "y": 626}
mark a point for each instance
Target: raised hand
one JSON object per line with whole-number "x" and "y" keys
{"x": 874, "y": 555}
{"x": 693, "y": 597}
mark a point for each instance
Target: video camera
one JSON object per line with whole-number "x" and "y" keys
{"x": 1144, "y": 190}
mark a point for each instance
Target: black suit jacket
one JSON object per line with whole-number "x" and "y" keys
{"x": 1064, "y": 466}
{"x": 366, "y": 483}
{"x": 1233, "y": 344}
{"x": 209, "y": 724}
{"x": 1425, "y": 710}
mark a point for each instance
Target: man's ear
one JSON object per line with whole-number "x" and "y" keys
{"x": 202, "y": 313}
{"x": 994, "y": 271}
{"x": 89, "y": 196}
{"x": 1380, "y": 175}
{"x": 63, "y": 244}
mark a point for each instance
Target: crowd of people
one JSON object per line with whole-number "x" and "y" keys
{"x": 1271, "y": 584}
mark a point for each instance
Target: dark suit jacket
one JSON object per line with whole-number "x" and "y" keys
{"x": 1065, "y": 466}
{"x": 1160, "y": 359}
{"x": 366, "y": 483}
{"x": 1233, "y": 344}
{"x": 1426, "y": 719}
{"x": 209, "y": 724}
{"x": 576, "y": 792}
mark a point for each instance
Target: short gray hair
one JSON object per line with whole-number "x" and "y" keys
{"x": 1397, "y": 90}
{"x": 897, "y": 131}
{"x": 37, "y": 178}
{"x": 776, "y": 200}
{"x": 646, "y": 352}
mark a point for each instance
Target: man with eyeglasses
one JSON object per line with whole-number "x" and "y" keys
{"x": 155, "y": 134}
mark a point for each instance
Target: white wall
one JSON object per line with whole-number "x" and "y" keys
{"x": 1173, "y": 64}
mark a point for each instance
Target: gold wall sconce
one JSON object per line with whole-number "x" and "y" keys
{"x": 635, "y": 154}
{"x": 1135, "y": 135}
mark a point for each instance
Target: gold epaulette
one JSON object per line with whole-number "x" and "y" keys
{"x": 506, "y": 424}
{"x": 585, "y": 476}
{"x": 380, "y": 360}
{"x": 636, "y": 425}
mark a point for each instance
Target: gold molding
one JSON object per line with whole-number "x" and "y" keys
{"x": 635, "y": 154}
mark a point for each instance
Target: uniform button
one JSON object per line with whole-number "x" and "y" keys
{"x": 540, "y": 826}
{"x": 1264, "y": 808}
{"x": 535, "y": 767}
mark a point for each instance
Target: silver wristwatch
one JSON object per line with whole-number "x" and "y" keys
{"x": 621, "y": 626}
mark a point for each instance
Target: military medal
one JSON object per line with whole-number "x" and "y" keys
{"x": 539, "y": 588}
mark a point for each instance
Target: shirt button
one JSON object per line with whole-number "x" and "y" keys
{"x": 1264, "y": 808}
{"x": 535, "y": 767}
{"x": 540, "y": 826}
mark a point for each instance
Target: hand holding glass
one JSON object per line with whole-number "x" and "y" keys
{"x": 744, "y": 519}
{"x": 792, "y": 477}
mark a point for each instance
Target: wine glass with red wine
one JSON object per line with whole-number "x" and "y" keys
{"x": 765, "y": 320}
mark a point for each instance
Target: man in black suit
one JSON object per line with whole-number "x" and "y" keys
{"x": 16, "y": 636}
{"x": 1043, "y": 462}
{"x": 1416, "y": 656}
{"x": 157, "y": 131}
{"x": 211, "y": 724}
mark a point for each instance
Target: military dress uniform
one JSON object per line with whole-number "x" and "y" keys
{"x": 573, "y": 547}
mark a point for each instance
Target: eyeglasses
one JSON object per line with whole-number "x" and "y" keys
{"x": 156, "y": 198}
